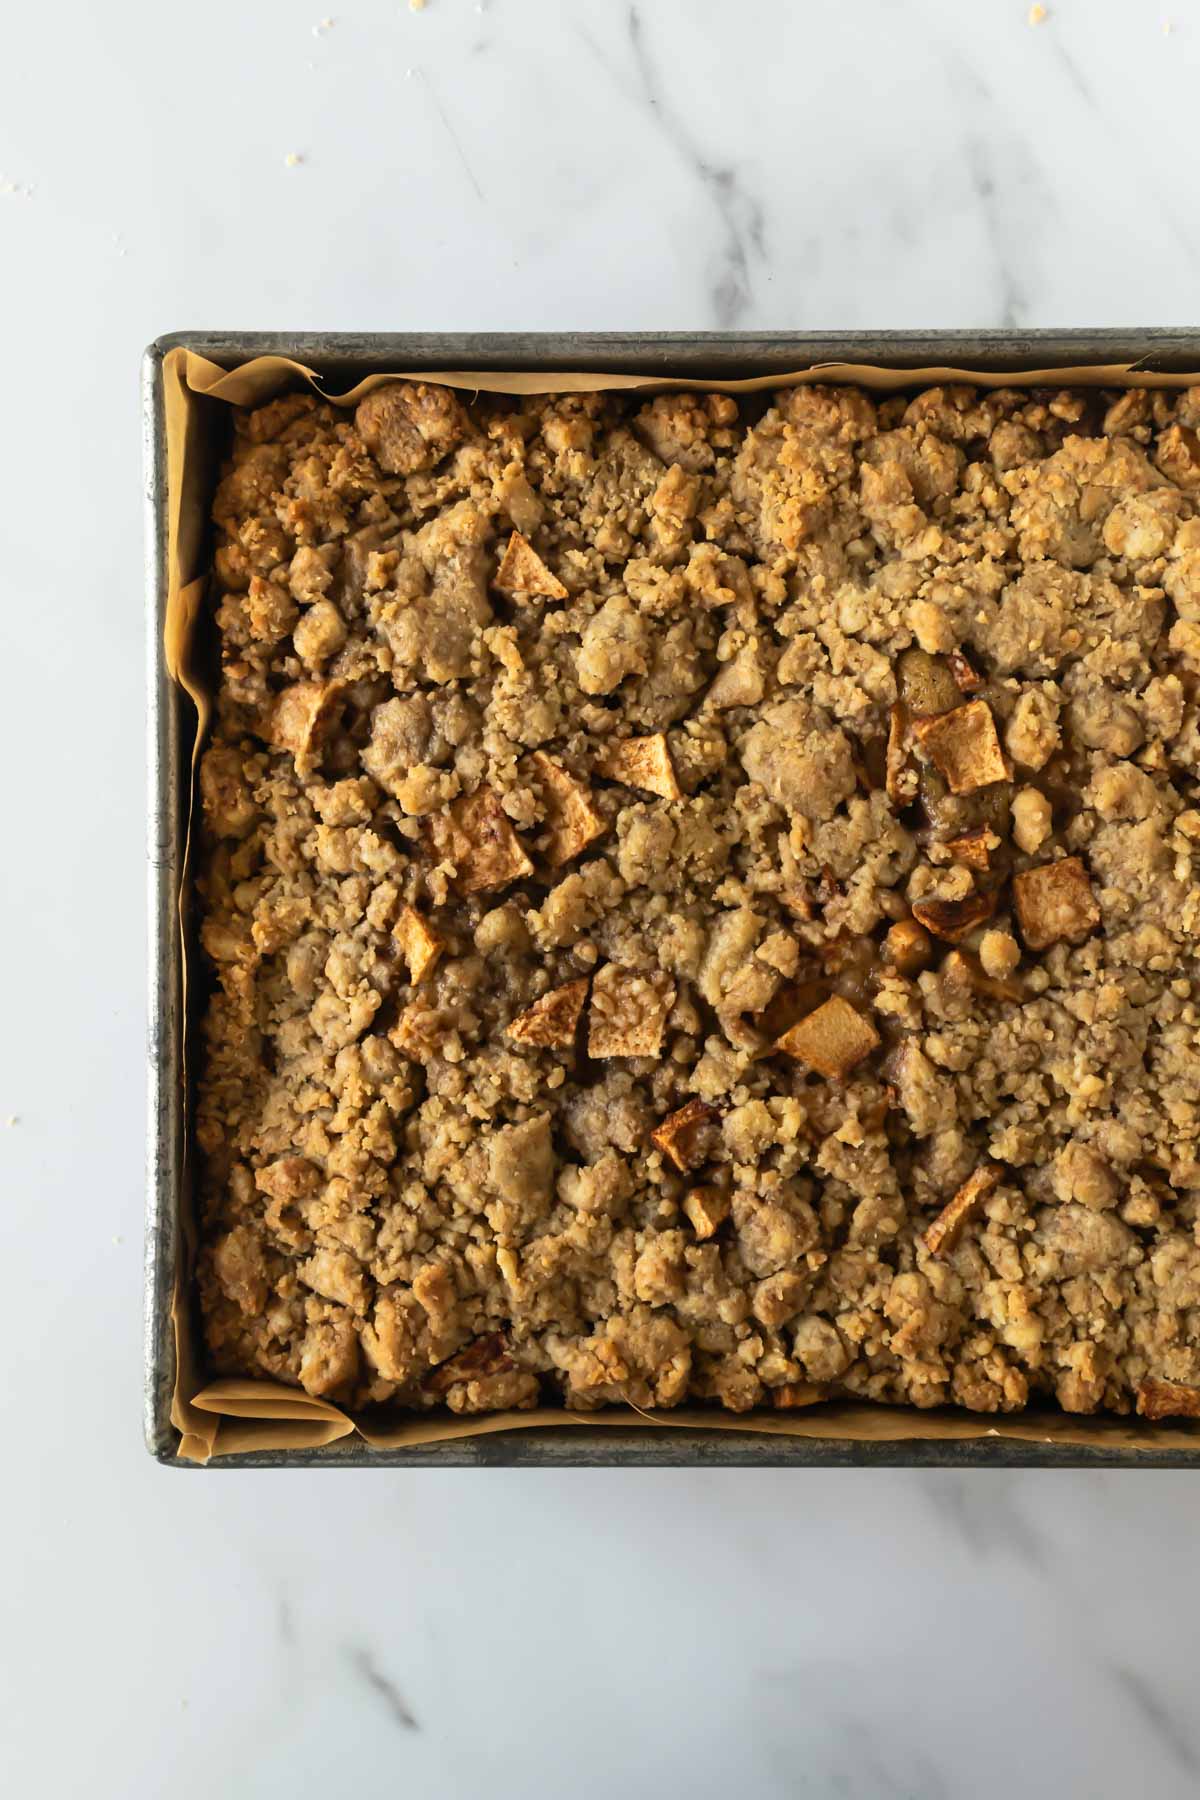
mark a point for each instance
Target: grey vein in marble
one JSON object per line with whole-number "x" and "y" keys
{"x": 839, "y": 1752}
{"x": 448, "y": 128}
{"x": 985, "y": 1519}
{"x": 740, "y": 213}
{"x": 983, "y": 186}
{"x": 1167, "y": 1727}
{"x": 1115, "y": 124}
{"x": 365, "y": 1666}
{"x": 1009, "y": 187}
{"x": 1070, "y": 68}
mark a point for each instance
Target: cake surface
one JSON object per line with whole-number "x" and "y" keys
{"x": 700, "y": 901}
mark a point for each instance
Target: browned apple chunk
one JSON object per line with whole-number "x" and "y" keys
{"x": 550, "y": 1023}
{"x": 947, "y": 1228}
{"x": 303, "y": 717}
{"x": 684, "y": 1136}
{"x": 963, "y": 746}
{"x": 1055, "y": 903}
{"x": 475, "y": 835}
{"x": 952, "y": 920}
{"x": 523, "y": 575}
{"x": 833, "y": 1040}
{"x": 628, "y": 1012}
{"x": 1167, "y": 1400}
{"x": 792, "y": 1394}
{"x": 967, "y": 678}
{"x": 486, "y": 1356}
{"x": 641, "y": 763}
{"x": 973, "y": 848}
{"x": 705, "y": 1209}
{"x": 417, "y": 942}
{"x": 572, "y": 822}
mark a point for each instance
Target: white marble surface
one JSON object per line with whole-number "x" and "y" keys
{"x": 742, "y": 163}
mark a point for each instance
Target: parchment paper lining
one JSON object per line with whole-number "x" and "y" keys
{"x": 233, "y": 1417}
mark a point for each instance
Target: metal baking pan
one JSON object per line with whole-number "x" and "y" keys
{"x": 343, "y": 358}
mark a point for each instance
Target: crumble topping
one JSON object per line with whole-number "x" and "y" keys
{"x": 700, "y": 900}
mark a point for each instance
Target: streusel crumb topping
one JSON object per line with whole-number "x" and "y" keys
{"x": 701, "y": 900}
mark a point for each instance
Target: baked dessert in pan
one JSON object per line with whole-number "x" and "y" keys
{"x": 701, "y": 898}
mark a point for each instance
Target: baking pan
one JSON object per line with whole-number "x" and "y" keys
{"x": 343, "y": 358}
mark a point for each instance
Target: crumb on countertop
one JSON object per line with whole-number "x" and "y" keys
{"x": 292, "y": 160}
{"x": 1037, "y": 15}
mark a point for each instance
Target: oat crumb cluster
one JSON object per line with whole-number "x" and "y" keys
{"x": 700, "y": 900}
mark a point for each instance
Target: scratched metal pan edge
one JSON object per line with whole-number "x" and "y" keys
{"x": 344, "y": 357}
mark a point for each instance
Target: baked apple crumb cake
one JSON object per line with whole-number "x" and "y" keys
{"x": 702, "y": 900}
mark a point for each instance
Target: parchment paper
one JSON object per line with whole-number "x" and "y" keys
{"x": 233, "y": 1417}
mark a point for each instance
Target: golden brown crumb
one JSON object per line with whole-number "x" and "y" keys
{"x": 1167, "y": 1400}
{"x": 999, "y": 953}
{"x": 907, "y": 946}
{"x": 1031, "y": 820}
